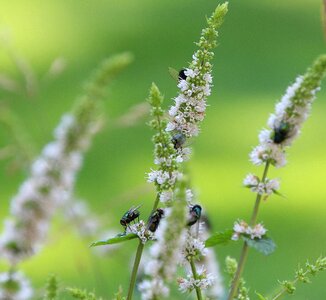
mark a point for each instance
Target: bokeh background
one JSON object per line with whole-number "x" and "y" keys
{"x": 264, "y": 45}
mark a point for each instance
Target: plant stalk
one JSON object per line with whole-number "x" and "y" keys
{"x": 245, "y": 248}
{"x": 194, "y": 273}
{"x": 138, "y": 256}
{"x": 135, "y": 270}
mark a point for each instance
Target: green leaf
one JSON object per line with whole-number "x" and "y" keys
{"x": 260, "y": 296}
{"x": 174, "y": 74}
{"x": 219, "y": 238}
{"x": 51, "y": 289}
{"x": 279, "y": 194}
{"x": 117, "y": 239}
{"x": 264, "y": 245}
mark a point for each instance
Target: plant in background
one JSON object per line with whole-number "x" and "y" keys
{"x": 283, "y": 127}
{"x": 52, "y": 177}
{"x": 51, "y": 289}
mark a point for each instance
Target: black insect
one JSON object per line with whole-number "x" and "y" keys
{"x": 281, "y": 133}
{"x": 132, "y": 214}
{"x": 155, "y": 219}
{"x": 178, "y": 140}
{"x": 182, "y": 75}
{"x": 194, "y": 214}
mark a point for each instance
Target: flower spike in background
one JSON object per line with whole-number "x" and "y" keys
{"x": 284, "y": 126}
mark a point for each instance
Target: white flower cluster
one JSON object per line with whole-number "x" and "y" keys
{"x": 150, "y": 289}
{"x": 49, "y": 186}
{"x": 241, "y": 227}
{"x": 284, "y": 125}
{"x": 194, "y": 249}
{"x": 14, "y": 286}
{"x": 268, "y": 187}
{"x": 163, "y": 177}
{"x": 204, "y": 281}
{"x": 165, "y": 152}
{"x": 183, "y": 154}
{"x": 194, "y": 245}
{"x": 141, "y": 230}
{"x": 190, "y": 104}
{"x": 167, "y": 175}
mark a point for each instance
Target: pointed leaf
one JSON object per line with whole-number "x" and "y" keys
{"x": 279, "y": 194}
{"x": 264, "y": 245}
{"x": 219, "y": 238}
{"x": 117, "y": 239}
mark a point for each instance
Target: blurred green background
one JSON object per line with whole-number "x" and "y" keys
{"x": 264, "y": 45}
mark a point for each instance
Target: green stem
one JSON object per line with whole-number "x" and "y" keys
{"x": 139, "y": 254}
{"x": 194, "y": 273}
{"x": 258, "y": 198}
{"x": 135, "y": 270}
{"x": 245, "y": 248}
{"x": 284, "y": 290}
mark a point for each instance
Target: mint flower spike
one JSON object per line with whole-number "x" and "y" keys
{"x": 165, "y": 156}
{"x": 290, "y": 113}
{"x": 195, "y": 84}
{"x": 95, "y": 88}
{"x": 51, "y": 181}
{"x": 165, "y": 253}
{"x": 15, "y": 286}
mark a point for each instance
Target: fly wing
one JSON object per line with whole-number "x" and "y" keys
{"x": 134, "y": 208}
{"x": 174, "y": 74}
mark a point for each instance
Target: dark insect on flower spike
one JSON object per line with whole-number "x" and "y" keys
{"x": 132, "y": 214}
{"x": 155, "y": 219}
{"x": 194, "y": 214}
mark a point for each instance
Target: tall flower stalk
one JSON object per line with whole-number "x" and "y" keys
{"x": 195, "y": 82}
{"x": 166, "y": 252}
{"x": 165, "y": 177}
{"x": 283, "y": 127}
{"x": 186, "y": 114}
{"x": 52, "y": 175}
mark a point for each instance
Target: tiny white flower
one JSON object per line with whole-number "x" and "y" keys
{"x": 152, "y": 176}
{"x": 240, "y": 227}
{"x": 235, "y": 236}
{"x": 170, "y": 126}
{"x": 265, "y": 136}
{"x": 179, "y": 159}
{"x": 154, "y": 288}
{"x": 173, "y": 110}
{"x": 140, "y": 229}
{"x": 208, "y": 78}
{"x": 190, "y": 73}
{"x": 251, "y": 180}
{"x": 260, "y": 188}
{"x": 200, "y": 107}
{"x": 258, "y": 231}
{"x": 166, "y": 196}
{"x": 180, "y": 99}
{"x": 183, "y": 85}
{"x": 271, "y": 186}
{"x": 53, "y": 150}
